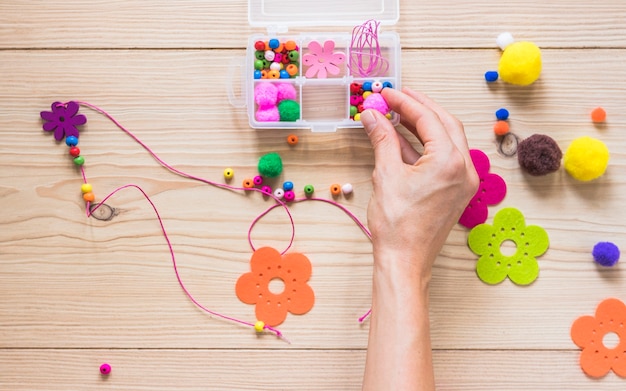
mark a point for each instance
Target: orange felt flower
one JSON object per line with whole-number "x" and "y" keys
{"x": 293, "y": 270}
{"x": 588, "y": 332}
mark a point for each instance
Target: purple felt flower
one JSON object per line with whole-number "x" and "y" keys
{"x": 63, "y": 119}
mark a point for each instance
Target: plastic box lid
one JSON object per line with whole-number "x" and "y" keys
{"x": 279, "y": 15}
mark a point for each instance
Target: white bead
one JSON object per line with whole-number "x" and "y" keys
{"x": 269, "y": 55}
{"x": 504, "y": 40}
{"x": 377, "y": 86}
{"x": 276, "y": 66}
{"x": 279, "y": 193}
{"x": 346, "y": 189}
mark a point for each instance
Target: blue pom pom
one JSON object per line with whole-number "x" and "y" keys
{"x": 502, "y": 114}
{"x": 491, "y": 76}
{"x": 606, "y": 253}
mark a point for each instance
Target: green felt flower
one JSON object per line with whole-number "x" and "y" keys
{"x": 520, "y": 266}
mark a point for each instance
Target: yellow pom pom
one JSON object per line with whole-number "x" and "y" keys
{"x": 259, "y": 326}
{"x": 520, "y": 63}
{"x": 586, "y": 158}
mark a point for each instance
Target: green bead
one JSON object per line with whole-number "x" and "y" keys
{"x": 353, "y": 111}
{"x": 309, "y": 189}
{"x": 259, "y": 54}
{"x": 258, "y": 64}
{"x": 79, "y": 160}
{"x": 266, "y": 64}
{"x": 294, "y": 55}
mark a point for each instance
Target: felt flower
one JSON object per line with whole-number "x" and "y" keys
{"x": 322, "y": 60}
{"x": 487, "y": 241}
{"x": 491, "y": 191}
{"x": 588, "y": 332}
{"x": 292, "y": 271}
{"x": 63, "y": 120}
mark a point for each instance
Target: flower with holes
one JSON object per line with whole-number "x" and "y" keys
{"x": 589, "y": 332}
{"x": 289, "y": 272}
{"x": 322, "y": 60}
{"x": 493, "y": 244}
{"x": 491, "y": 191}
{"x": 63, "y": 120}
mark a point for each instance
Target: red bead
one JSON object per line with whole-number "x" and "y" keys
{"x": 360, "y": 108}
{"x": 259, "y": 45}
{"x": 74, "y": 151}
{"x": 355, "y": 88}
{"x": 285, "y": 60}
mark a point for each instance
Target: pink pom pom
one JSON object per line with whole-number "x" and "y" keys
{"x": 377, "y": 102}
{"x": 286, "y": 91}
{"x": 265, "y": 94}
{"x": 267, "y": 114}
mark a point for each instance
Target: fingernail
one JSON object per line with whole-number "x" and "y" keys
{"x": 368, "y": 120}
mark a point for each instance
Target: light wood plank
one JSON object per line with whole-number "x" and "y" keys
{"x": 209, "y": 24}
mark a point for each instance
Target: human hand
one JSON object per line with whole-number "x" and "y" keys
{"x": 417, "y": 198}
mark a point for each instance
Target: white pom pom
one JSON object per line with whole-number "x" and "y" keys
{"x": 346, "y": 189}
{"x": 504, "y": 40}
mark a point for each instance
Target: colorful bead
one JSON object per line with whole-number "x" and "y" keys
{"x": 367, "y": 86}
{"x": 276, "y": 66}
{"x": 257, "y": 74}
{"x": 86, "y": 188}
{"x": 294, "y": 55}
{"x": 280, "y": 48}
{"x": 292, "y": 139}
{"x": 89, "y": 197}
{"x": 285, "y": 60}
{"x": 357, "y": 117}
{"x": 346, "y": 188}
{"x": 259, "y": 54}
{"x": 263, "y": 74}
{"x": 74, "y": 151}
{"x": 387, "y": 84}
{"x": 288, "y": 186}
{"x": 259, "y": 326}
{"x": 266, "y": 190}
{"x": 273, "y": 74}
{"x": 278, "y": 57}
{"x": 248, "y": 183}
{"x": 258, "y": 65}
{"x": 335, "y": 189}
{"x": 355, "y": 88}
{"x": 308, "y": 190}
{"x": 366, "y": 94}
{"x": 105, "y": 369}
{"x": 292, "y": 69}
{"x": 269, "y": 55}
{"x": 377, "y": 86}
{"x": 274, "y": 43}
{"x": 71, "y": 141}
{"x": 279, "y": 193}
{"x": 79, "y": 160}
{"x": 290, "y": 195}
{"x": 355, "y": 100}
{"x": 259, "y": 45}
{"x": 290, "y": 45}
{"x": 284, "y": 74}
{"x": 353, "y": 111}
{"x": 258, "y": 180}
{"x": 229, "y": 173}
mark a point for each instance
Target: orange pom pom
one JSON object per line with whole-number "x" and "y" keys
{"x": 598, "y": 114}
{"x": 501, "y": 128}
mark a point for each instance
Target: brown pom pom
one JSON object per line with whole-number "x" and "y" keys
{"x": 539, "y": 155}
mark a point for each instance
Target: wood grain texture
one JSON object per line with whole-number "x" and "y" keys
{"x": 75, "y": 292}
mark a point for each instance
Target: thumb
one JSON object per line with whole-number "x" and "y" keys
{"x": 383, "y": 137}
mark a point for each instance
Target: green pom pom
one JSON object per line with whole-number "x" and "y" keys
{"x": 270, "y": 165}
{"x": 289, "y": 110}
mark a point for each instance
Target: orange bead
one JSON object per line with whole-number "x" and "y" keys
{"x": 598, "y": 114}
{"x": 292, "y": 69}
{"x": 273, "y": 74}
{"x": 279, "y": 48}
{"x": 292, "y": 139}
{"x": 290, "y": 45}
{"x": 501, "y": 128}
{"x": 248, "y": 183}
{"x": 263, "y": 74}
{"x": 89, "y": 197}
{"x": 335, "y": 189}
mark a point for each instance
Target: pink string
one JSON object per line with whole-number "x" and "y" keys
{"x": 279, "y": 202}
{"x": 366, "y": 58}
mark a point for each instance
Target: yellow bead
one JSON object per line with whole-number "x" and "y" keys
{"x": 388, "y": 115}
{"x": 259, "y": 326}
{"x": 357, "y": 117}
{"x": 366, "y": 94}
{"x": 86, "y": 188}
{"x": 229, "y": 173}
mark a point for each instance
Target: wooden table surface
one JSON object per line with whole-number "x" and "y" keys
{"x": 76, "y": 292}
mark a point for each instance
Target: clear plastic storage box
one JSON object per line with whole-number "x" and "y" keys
{"x": 318, "y": 80}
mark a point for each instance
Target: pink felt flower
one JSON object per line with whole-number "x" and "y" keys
{"x": 491, "y": 191}
{"x": 63, "y": 120}
{"x": 322, "y": 60}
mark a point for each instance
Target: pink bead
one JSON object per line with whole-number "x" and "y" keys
{"x": 266, "y": 189}
{"x": 278, "y": 57}
{"x": 377, "y": 102}
{"x": 105, "y": 369}
{"x": 258, "y": 180}
{"x": 289, "y": 195}
{"x": 286, "y": 91}
{"x": 265, "y": 94}
{"x": 356, "y": 100}
{"x": 268, "y": 114}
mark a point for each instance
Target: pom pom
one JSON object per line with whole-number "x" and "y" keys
{"x": 500, "y": 128}
{"x": 265, "y": 94}
{"x": 606, "y": 253}
{"x": 270, "y": 165}
{"x": 377, "y": 102}
{"x": 504, "y": 40}
{"x": 491, "y": 76}
{"x": 520, "y": 63}
{"x": 286, "y": 91}
{"x": 289, "y": 110}
{"x": 598, "y": 115}
{"x": 502, "y": 114}
{"x": 267, "y": 114}
{"x": 586, "y": 158}
{"x": 539, "y": 155}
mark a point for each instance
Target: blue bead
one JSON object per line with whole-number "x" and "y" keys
{"x": 274, "y": 43}
{"x": 71, "y": 141}
{"x": 367, "y": 86}
{"x": 502, "y": 114}
{"x": 387, "y": 85}
{"x": 288, "y": 186}
{"x": 284, "y": 74}
{"x": 257, "y": 74}
{"x": 491, "y": 76}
